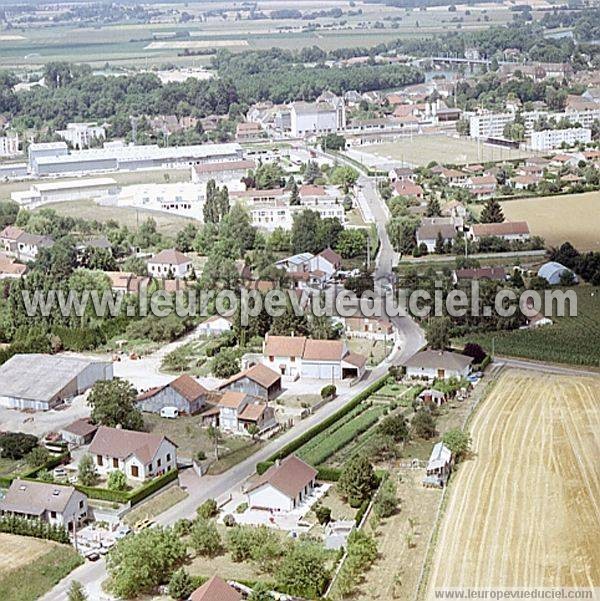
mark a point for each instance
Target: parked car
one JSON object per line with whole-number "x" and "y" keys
{"x": 169, "y": 412}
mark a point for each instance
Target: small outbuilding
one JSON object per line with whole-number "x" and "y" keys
{"x": 184, "y": 393}
{"x": 438, "y": 466}
{"x": 78, "y": 433}
{"x": 259, "y": 381}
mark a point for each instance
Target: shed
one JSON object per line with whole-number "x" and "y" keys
{"x": 553, "y": 271}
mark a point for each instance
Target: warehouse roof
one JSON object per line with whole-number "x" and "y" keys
{"x": 39, "y": 377}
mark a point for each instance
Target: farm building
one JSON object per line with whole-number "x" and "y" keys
{"x": 78, "y": 433}
{"x": 438, "y": 466}
{"x": 215, "y": 589}
{"x": 283, "y": 486}
{"x": 214, "y": 326}
{"x": 52, "y": 503}
{"x": 41, "y": 382}
{"x": 259, "y": 381}
{"x": 239, "y": 411}
{"x": 184, "y": 393}
{"x": 554, "y": 272}
{"x": 432, "y": 364}
{"x": 138, "y": 454}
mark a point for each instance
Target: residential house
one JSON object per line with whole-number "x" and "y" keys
{"x": 23, "y": 245}
{"x": 401, "y": 174}
{"x": 248, "y": 131}
{"x": 283, "y": 487}
{"x": 524, "y": 182}
{"x": 259, "y": 381}
{"x": 239, "y": 411}
{"x": 170, "y": 263}
{"x": 507, "y": 230}
{"x": 327, "y": 261}
{"x": 127, "y": 282}
{"x": 372, "y": 328}
{"x": 429, "y": 235}
{"x": 52, "y": 503}
{"x": 438, "y": 466}
{"x": 454, "y": 177}
{"x": 296, "y": 263}
{"x": 10, "y": 268}
{"x": 442, "y": 365}
{"x": 79, "y": 432}
{"x": 409, "y": 189}
{"x": 139, "y": 455}
{"x": 214, "y": 326}
{"x": 295, "y": 356}
{"x": 215, "y": 589}
{"x": 456, "y": 210}
{"x": 184, "y": 393}
{"x": 482, "y": 186}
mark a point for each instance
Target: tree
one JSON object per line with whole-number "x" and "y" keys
{"x": 225, "y": 364}
{"x": 352, "y": 243}
{"x": 386, "y": 501}
{"x": 343, "y": 176}
{"x": 15, "y": 445}
{"x": 37, "y": 457}
{"x": 323, "y": 514}
{"x": 302, "y": 571}
{"x": 492, "y": 212}
{"x": 433, "y": 207}
{"x": 117, "y": 480}
{"x": 208, "y": 509}
{"x": 439, "y": 244}
{"x": 205, "y": 538}
{"x": 113, "y": 404}
{"x": 311, "y": 172}
{"x": 333, "y": 141}
{"x": 260, "y": 592}
{"x": 474, "y": 350}
{"x": 458, "y": 441}
{"x": 141, "y": 561}
{"x": 438, "y": 333}
{"x": 463, "y": 127}
{"x": 76, "y": 592}
{"x": 180, "y": 585}
{"x": 394, "y": 426}
{"x": 294, "y": 195}
{"x": 357, "y": 480}
{"x": 215, "y": 435}
{"x": 86, "y": 471}
{"x": 423, "y": 424}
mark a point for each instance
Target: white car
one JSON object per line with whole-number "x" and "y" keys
{"x": 169, "y": 412}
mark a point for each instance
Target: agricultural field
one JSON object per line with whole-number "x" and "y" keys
{"x": 568, "y": 217}
{"x": 18, "y": 581}
{"x": 422, "y": 149}
{"x": 572, "y": 340}
{"x": 523, "y": 511}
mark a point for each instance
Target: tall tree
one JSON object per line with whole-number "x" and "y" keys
{"x": 113, "y": 404}
{"x": 492, "y": 212}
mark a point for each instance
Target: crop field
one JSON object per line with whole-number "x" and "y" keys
{"x": 523, "y": 512}
{"x": 422, "y": 149}
{"x": 572, "y": 217}
{"x": 571, "y": 340}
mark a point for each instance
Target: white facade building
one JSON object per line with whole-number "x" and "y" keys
{"x": 270, "y": 216}
{"x": 138, "y": 455}
{"x": 554, "y": 138}
{"x": 317, "y": 117}
{"x": 81, "y": 135}
{"x": 441, "y": 365}
{"x": 170, "y": 263}
{"x": 9, "y": 145}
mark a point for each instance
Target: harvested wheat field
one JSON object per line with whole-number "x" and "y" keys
{"x": 17, "y": 551}
{"x": 525, "y": 511}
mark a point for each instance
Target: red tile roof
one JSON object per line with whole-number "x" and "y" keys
{"x": 290, "y": 477}
{"x": 215, "y": 589}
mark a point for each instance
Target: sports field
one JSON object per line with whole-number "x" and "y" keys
{"x": 420, "y": 150}
{"x": 569, "y": 217}
{"x": 524, "y": 511}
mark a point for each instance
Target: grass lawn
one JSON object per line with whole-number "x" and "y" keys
{"x": 9, "y": 467}
{"x": 572, "y": 340}
{"x": 20, "y": 580}
{"x": 156, "y": 505}
{"x": 569, "y": 217}
{"x": 422, "y": 149}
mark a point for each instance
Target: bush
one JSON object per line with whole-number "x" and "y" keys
{"x": 205, "y": 538}
{"x": 34, "y": 528}
{"x": 200, "y": 456}
{"x": 229, "y": 521}
{"x": 182, "y": 527}
{"x": 38, "y": 457}
{"x": 15, "y": 445}
{"x": 241, "y": 508}
{"x": 328, "y": 474}
{"x": 423, "y": 425}
{"x": 328, "y": 392}
{"x": 386, "y": 500}
{"x": 117, "y": 480}
{"x": 323, "y": 514}
{"x": 208, "y": 509}
{"x": 357, "y": 480}
{"x": 180, "y": 585}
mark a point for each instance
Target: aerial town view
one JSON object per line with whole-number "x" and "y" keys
{"x": 299, "y": 300}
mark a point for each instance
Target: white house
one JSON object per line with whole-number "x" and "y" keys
{"x": 52, "y": 503}
{"x": 9, "y": 145}
{"x": 214, "y": 326}
{"x": 327, "y": 261}
{"x": 170, "y": 263}
{"x": 554, "y": 138}
{"x": 138, "y": 454}
{"x": 297, "y": 356}
{"x": 239, "y": 411}
{"x": 434, "y": 364}
{"x": 81, "y": 135}
{"x": 281, "y": 214}
{"x": 283, "y": 486}
{"x": 428, "y": 234}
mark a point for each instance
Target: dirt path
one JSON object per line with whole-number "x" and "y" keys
{"x": 525, "y": 511}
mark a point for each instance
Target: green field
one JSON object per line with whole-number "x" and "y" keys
{"x": 422, "y": 149}
{"x": 572, "y": 340}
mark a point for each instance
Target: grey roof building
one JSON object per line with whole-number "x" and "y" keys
{"x": 41, "y": 382}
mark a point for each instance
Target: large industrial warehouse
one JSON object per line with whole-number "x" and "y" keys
{"x": 41, "y": 382}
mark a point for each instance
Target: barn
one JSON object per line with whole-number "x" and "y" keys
{"x": 259, "y": 381}
{"x": 184, "y": 393}
{"x": 41, "y": 382}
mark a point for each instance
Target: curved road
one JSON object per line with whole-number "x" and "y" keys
{"x": 411, "y": 339}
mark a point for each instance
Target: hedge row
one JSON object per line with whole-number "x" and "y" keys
{"x": 133, "y": 496}
{"x": 293, "y": 446}
{"x": 328, "y": 474}
{"x": 32, "y": 472}
{"x": 34, "y": 528}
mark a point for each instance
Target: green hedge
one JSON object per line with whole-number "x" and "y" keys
{"x": 293, "y": 446}
{"x": 36, "y": 528}
{"x": 328, "y": 474}
{"x": 263, "y": 466}
{"x": 125, "y": 496}
{"x": 485, "y": 362}
{"x": 32, "y": 472}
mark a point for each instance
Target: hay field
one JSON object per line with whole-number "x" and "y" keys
{"x": 17, "y": 551}
{"x": 569, "y": 217}
{"x": 525, "y": 510}
{"x": 420, "y": 150}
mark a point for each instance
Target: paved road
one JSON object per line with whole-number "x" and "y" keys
{"x": 411, "y": 339}
{"x": 551, "y": 368}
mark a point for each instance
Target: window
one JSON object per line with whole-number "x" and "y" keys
{"x": 135, "y": 471}
{"x": 53, "y": 514}
{"x": 115, "y": 462}
{"x": 158, "y": 462}
{"x": 292, "y": 359}
{"x": 168, "y": 456}
{"x": 271, "y": 358}
{"x": 81, "y": 504}
{"x": 99, "y": 460}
